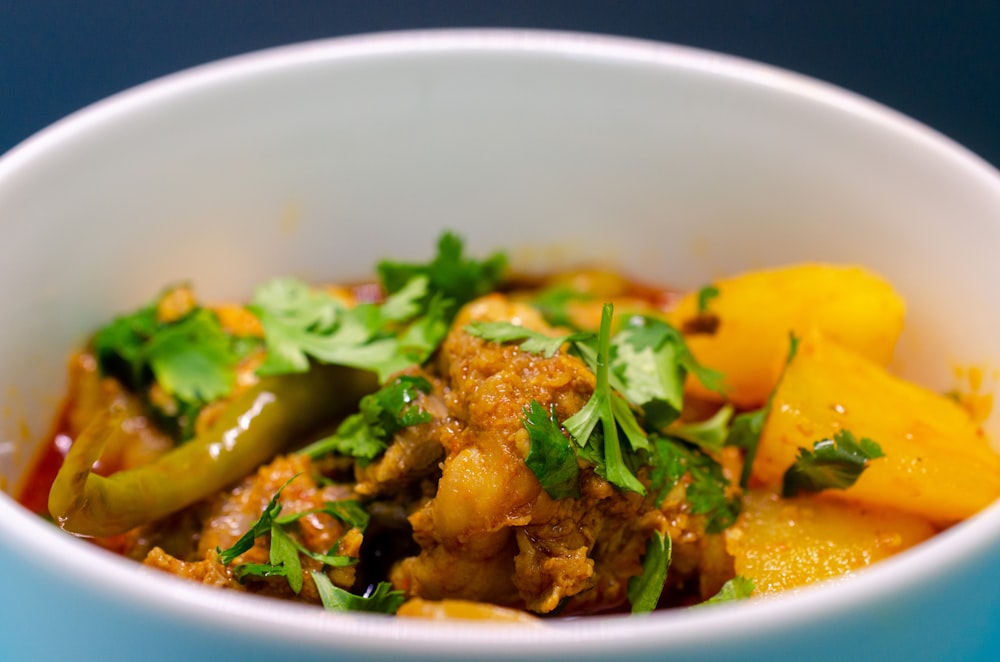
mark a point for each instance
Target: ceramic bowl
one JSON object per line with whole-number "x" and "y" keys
{"x": 671, "y": 164}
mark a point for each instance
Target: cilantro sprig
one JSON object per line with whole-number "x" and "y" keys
{"x": 747, "y": 427}
{"x": 831, "y": 464}
{"x": 644, "y": 590}
{"x": 380, "y": 598}
{"x": 302, "y": 324}
{"x": 706, "y": 488}
{"x": 639, "y": 374}
{"x": 612, "y": 412}
{"x": 191, "y": 358}
{"x": 366, "y": 434}
{"x": 737, "y": 588}
{"x": 551, "y": 457}
{"x": 285, "y": 552}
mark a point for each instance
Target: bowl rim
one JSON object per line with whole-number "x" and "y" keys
{"x": 180, "y": 600}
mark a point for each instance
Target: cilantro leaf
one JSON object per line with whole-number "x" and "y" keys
{"x": 245, "y": 570}
{"x": 706, "y": 487}
{"x": 747, "y": 427}
{"x": 644, "y": 591}
{"x": 532, "y": 341}
{"x": 705, "y": 296}
{"x": 458, "y": 279}
{"x": 551, "y": 457}
{"x": 284, "y": 552}
{"x": 710, "y": 434}
{"x": 348, "y": 511}
{"x": 192, "y": 359}
{"x": 552, "y": 303}
{"x": 745, "y": 433}
{"x": 259, "y": 528}
{"x": 737, "y": 588}
{"x": 610, "y": 410}
{"x": 652, "y": 359}
{"x": 366, "y": 434}
{"x": 300, "y": 323}
{"x": 379, "y": 598}
{"x": 832, "y": 464}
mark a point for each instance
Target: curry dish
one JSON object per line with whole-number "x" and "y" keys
{"x": 450, "y": 441}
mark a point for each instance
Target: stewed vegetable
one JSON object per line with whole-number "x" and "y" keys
{"x": 451, "y": 441}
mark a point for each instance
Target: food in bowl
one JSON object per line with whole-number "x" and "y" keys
{"x": 451, "y": 441}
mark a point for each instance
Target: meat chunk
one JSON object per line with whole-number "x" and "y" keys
{"x": 234, "y": 512}
{"x": 491, "y": 533}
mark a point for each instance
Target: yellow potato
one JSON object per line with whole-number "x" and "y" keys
{"x": 464, "y": 610}
{"x": 937, "y": 463}
{"x": 783, "y": 544}
{"x": 756, "y": 312}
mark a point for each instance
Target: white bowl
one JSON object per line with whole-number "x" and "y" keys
{"x": 316, "y": 160}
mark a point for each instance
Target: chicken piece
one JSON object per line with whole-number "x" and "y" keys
{"x": 233, "y": 513}
{"x": 491, "y": 533}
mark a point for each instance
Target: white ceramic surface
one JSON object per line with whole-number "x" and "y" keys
{"x": 672, "y": 164}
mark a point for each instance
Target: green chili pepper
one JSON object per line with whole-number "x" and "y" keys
{"x": 256, "y": 426}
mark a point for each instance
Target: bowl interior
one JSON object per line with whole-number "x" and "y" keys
{"x": 672, "y": 165}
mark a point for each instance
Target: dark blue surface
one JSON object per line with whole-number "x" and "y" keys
{"x": 936, "y": 61}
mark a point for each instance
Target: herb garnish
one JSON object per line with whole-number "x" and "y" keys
{"x": 644, "y": 591}
{"x": 551, "y": 457}
{"x": 706, "y": 490}
{"x": 301, "y": 323}
{"x": 748, "y": 426}
{"x": 640, "y": 374}
{"x": 737, "y": 588}
{"x": 705, "y": 296}
{"x": 832, "y": 464}
{"x": 366, "y": 434}
{"x": 284, "y": 552}
{"x": 379, "y": 598}
{"x": 191, "y": 358}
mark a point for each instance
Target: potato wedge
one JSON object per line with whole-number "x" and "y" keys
{"x": 756, "y": 312}
{"x": 937, "y": 463}
{"x": 784, "y": 544}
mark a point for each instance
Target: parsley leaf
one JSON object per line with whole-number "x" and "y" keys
{"x": 832, "y": 464}
{"x": 366, "y": 434}
{"x": 644, "y": 591}
{"x": 737, "y": 588}
{"x": 379, "y": 598}
{"x": 706, "y": 488}
{"x": 551, "y": 457}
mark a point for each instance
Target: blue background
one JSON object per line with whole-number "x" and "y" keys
{"x": 935, "y": 61}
